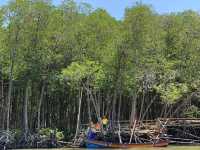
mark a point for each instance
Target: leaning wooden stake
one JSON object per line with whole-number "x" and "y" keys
{"x": 163, "y": 126}
{"x": 132, "y": 131}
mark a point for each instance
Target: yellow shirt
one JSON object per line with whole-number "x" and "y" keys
{"x": 105, "y": 121}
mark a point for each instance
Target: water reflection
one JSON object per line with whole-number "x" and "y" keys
{"x": 155, "y": 148}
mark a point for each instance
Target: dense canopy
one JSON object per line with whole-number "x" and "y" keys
{"x": 56, "y": 61}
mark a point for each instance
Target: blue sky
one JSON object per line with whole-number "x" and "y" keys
{"x": 116, "y": 7}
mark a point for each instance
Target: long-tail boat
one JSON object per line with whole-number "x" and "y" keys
{"x": 102, "y": 144}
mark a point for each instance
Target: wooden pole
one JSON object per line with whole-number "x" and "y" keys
{"x": 79, "y": 114}
{"x": 132, "y": 131}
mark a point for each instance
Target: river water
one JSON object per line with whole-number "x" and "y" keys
{"x": 155, "y": 148}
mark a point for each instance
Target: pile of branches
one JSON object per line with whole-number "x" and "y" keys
{"x": 37, "y": 141}
{"x": 184, "y": 135}
{"x": 184, "y": 131}
{"x": 9, "y": 140}
{"x": 6, "y": 139}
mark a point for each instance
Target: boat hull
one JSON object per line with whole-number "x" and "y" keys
{"x": 101, "y": 144}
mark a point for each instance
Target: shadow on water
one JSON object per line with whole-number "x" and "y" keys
{"x": 155, "y": 148}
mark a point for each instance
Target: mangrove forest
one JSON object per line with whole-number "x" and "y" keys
{"x": 65, "y": 65}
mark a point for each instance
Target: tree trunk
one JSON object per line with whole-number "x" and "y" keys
{"x": 2, "y": 104}
{"x": 10, "y": 89}
{"x": 79, "y": 114}
{"x": 88, "y": 105}
{"x": 39, "y": 106}
{"x": 25, "y": 110}
{"x": 114, "y": 107}
{"x": 148, "y": 107}
{"x": 119, "y": 106}
{"x": 142, "y": 104}
{"x": 92, "y": 99}
{"x": 118, "y": 117}
{"x": 133, "y": 109}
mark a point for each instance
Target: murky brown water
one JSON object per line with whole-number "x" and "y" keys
{"x": 167, "y": 148}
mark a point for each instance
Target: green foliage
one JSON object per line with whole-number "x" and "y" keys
{"x": 192, "y": 112}
{"x": 78, "y": 72}
{"x": 18, "y": 133}
{"x": 46, "y": 132}
{"x": 59, "y": 135}
{"x": 85, "y": 47}
{"x": 172, "y": 91}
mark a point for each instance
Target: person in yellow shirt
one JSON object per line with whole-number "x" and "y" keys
{"x": 105, "y": 122}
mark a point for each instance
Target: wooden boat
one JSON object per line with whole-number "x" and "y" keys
{"x": 102, "y": 144}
